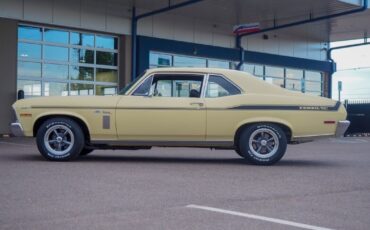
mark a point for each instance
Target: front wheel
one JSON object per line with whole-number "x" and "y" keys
{"x": 60, "y": 139}
{"x": 262, "y": 144}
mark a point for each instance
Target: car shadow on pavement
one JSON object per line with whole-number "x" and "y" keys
{"x": 183, "y": 160}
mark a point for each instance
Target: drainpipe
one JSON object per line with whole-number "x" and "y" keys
{"x": 134, "y": 20}
{"x": 330, "y": 58}
{"x": 310, "y": 20}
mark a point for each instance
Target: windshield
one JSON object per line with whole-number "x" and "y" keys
{"x": 125, "y": 89}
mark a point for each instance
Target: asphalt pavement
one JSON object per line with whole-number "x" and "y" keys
{"x": 318, "y": 185}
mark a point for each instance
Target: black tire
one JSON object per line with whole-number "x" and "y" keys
{"x": 262, "y": 144}
{"x": 86, "y": 151}
{"x": 49, "y": 143}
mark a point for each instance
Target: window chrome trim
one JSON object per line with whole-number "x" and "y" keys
{"x": 130, "y": 93}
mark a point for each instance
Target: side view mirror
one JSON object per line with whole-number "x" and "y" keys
{"x": 20, "y": 94}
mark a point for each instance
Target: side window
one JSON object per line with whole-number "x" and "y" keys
{"x": 144, "y": 88}
{"x": 220, "y": 87}
{"x": 177, "y": 86}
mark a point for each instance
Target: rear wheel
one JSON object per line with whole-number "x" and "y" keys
{"x": 262, "y": 144}
{"x": 60, "y": 139}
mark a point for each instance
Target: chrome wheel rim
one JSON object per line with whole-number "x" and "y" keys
{"x": 59, "y": 140}
{"x": 263, "y": 143}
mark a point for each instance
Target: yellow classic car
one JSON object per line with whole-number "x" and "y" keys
{"x": 181, "y": 107}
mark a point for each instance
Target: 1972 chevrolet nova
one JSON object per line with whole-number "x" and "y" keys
{"x": 181, "y": 107}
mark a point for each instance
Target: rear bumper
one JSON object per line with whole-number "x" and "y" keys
{"x": 16, "y": 129}
{"x": 342, "y": 127}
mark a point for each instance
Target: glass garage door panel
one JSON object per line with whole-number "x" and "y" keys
{"x": 66, "y": 62}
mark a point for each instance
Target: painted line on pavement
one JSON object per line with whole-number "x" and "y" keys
{"x": 256, "y": 217}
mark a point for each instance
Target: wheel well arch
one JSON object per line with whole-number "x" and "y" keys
{"x": 42, "y": 119}
{"x": 286, "y": 129}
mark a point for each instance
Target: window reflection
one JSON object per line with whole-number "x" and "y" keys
{"x": 82, "y": 56}
{"x": 106, "y": 42}
{"x": 182, "y": 61}
{"x": 30, "y": 33}
{"x": 30, "y": 88}
{"x": 106, "y": 90}
{"x": 106, "y": 75}
{"x": 55, "y": 71}
{"x": 81, "y": 73}
{"x": 82, "y": 39}
{"x": 27, "y": 50}
{"x": 106, "y": 58}
{"x": 218, "y": 64}
{"x": 81, "y": 89}
{"x": 160, "y": 60}
{"x": 55, "y": 53}
{"x": 29, "y": 69}
{"x": 56, "y": 36}
{"x": 55, "y": 89}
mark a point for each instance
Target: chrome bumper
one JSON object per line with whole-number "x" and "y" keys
{"x": 342, "y": 127}
{"x": 16, "y": 129}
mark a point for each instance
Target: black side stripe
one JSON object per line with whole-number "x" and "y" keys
{"x": 288, "y": 107}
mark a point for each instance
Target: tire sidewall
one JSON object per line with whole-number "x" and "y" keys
{"x": 78, "y": 139}
{"x": 250, "y": 156}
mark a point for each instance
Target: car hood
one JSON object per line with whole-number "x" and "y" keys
{"x": 68, "y": 102}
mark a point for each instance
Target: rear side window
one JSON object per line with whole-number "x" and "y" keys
{"x": 220, "y": 87}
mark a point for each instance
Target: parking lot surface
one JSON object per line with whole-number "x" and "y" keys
{"x": 318, "y": 185}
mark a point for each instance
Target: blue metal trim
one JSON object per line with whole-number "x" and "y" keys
{"x": 147, "y": 44}
{"x": 134, "y": 20}
{"x": 334, "y": 69}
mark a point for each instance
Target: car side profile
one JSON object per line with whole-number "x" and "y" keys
{"x": 181, "y": 107}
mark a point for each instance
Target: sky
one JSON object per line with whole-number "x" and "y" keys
{"x": 353, "y": 69}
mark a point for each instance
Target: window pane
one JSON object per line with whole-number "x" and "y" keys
{"x": 29, "y": 69}
{"x": 312, "y": 86}
{"x": 313, "y": 76}
{"x": 256, "y": 70}
{"x": 160, "y": 60}
{"x": 57, "y": 36}
{"x": 106, "y": 90}
{"x": 30, "y": 88}
{"x": 106, "y": 58}
{"x": 294, "y": 84}
{"x": 219, "y": 87}
{"x": 218, "y": 64}
{"x": 275, "y": 81}
{"x": 27, "y": 50}
{"x": 181, "y": 61}
{"x": 55, "y": 71}
{"x": 81, "y": 73}
{"x": 106, "y": 75}
{"x": 55, "y": 53}
{"x": 82, "y": 56}
{"x": 144, "y": 88}
{"x": 294, "y": 74}
{"x": 106, "y": 42}
{"x": 187, "y": 88}
{"x": 81, "y": 89}
{"x": 82, "y": 39}
{"x": 55, "y": 89}
{"x": 274, "y": 71}
{"x": 163, "y": 88}
{"x": 29, "y": 32}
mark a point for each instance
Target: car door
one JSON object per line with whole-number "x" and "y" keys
{"x": 220, "y": 97}
{"x": 165, "y": 107}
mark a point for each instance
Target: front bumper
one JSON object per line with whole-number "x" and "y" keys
{"x": 16, "y": 129}
{"x": 342, "y": 127}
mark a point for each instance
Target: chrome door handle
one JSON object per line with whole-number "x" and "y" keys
{"x": 197, "y": 103}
